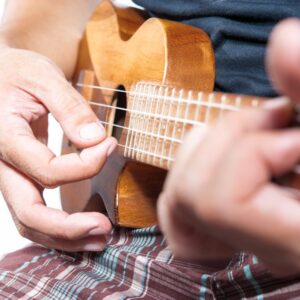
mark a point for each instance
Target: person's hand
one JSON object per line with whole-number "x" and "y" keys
{"x": 219, "y": 197}
{"x": 30, "y": 87}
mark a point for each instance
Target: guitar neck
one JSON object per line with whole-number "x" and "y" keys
{"x": 158, "y": 118}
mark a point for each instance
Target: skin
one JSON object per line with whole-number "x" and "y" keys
{"x": 218, "y": 197}
{"x": 39, "y": 43}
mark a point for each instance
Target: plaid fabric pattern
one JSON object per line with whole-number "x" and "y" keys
{"x": 136, "y": 264}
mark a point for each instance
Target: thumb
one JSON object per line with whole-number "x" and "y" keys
{"x": 283, "y": 55}
{"x": 71, "y": 110}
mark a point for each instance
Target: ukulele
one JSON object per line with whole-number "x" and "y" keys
{"x": 149, "y": 82}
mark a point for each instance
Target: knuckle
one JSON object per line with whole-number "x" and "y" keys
{"x": 65, "y": 233}
{"x": 42, "y": 63}
{"x": 21, "y": 216}
{"x": 68, "y": 235}
{"x": 8, "y": 145}
{"x": 207, "y": 209}
{"x": 246, "y": 149}
{"x": 93, "y": 169}
{"x": 240, "y": 118}
{"x": 6, "y": 151}
{"x": 184, "y": 191}
{"x": 23, "y": 231}
{"x": 74, "y": 106}
{"x": 231, "y": 118}
{"x": 46, "y": 179}
{"x": 90, "y": 169}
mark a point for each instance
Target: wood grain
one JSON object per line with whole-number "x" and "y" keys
{"x": 123, "y": 50}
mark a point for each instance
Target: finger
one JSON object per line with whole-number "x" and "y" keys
{"x": 199, "y": 145}
{"x": 283, "y": 57}
{"x": 70, "y": 109}
{"x": 91, "y": 244}
{"x": 256, "y": 158}
{"x": 270, "y": 219}
{"x": 212, "y": 146}
{"x": 273, "y": 114}
{"x": 185, "y": 235}
{"x": 25, "y": 152}
{"x": 267, "y": 224}
{"x": 281, "y": 226}
{"x": 25, "y": 200}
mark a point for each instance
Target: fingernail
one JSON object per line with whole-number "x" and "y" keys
{"x": 277, "y": 103}
{"x": 91, "y": 131}
{"x": 94, "y": 247}
{"x": 111, "y": 148}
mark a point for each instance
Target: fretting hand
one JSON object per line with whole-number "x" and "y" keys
{"x": 219, "y": 198}
{"x": 31, "y": 86}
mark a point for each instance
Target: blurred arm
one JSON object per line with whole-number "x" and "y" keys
{"x": 51, "y": 27}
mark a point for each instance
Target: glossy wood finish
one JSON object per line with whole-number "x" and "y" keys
{"x": 159, "y": 116}
{"x": 155, "y": 61}
{"x": 158, "y": 51}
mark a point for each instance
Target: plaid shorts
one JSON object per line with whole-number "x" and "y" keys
{"x": 136, "y": 264}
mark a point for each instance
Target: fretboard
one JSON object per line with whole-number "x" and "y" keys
{"x": 158, "y": 117}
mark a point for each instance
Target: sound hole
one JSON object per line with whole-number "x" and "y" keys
{"x": 119, "y": 112}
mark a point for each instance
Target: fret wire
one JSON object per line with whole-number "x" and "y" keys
{"x": 171, "y": 99}
{"x": 238, "y": 101}
{"x": 160, "y": 121}
{"x": 207, "y": 114}
{"x": 223, "y": 101}
{"x": 148, "y": 122}
{"x": 148, "y": 153}
{"x": 131, "y": 103}
{"x": 154, "y": 119}
{"x": 127, "y": 137}
{"x": 188, "y": 122}
{"x": 129, "y": 123}
{"x": 180, "y": 129}
{"x": 204, "y": 103}
{"x": 136, "y": 147}
{"x": 137, "y": 138}
{"x": 151, "y": 122}
{"x": 198, "y": 106}
{"x": 145, "y": 133}
{"x": 139, "y": 100}
{"x": 174, "y": 127}
{"x": 254, "y": 102}
{"x": 134, "y": 121}
{"x": 167, "y": 127}
{"x": 141, "y": 122}
{"x": 126, "y": 150}
{"x": 187, "y": 108}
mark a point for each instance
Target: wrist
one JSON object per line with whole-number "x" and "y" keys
{"x": 47, "y": 45}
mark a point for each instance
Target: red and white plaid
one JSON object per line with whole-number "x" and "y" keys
{"x": 136, "y": 264}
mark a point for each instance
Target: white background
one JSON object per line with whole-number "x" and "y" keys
{"x": 10, "y": 240}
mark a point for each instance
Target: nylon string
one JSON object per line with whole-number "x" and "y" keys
{"x": 178, "y": 99}
{"x": 176, "y": 119}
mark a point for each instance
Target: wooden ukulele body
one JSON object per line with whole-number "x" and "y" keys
{"x": 119, "y": 50}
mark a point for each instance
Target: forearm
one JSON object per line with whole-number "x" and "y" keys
{"x": 52, "y": 28}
